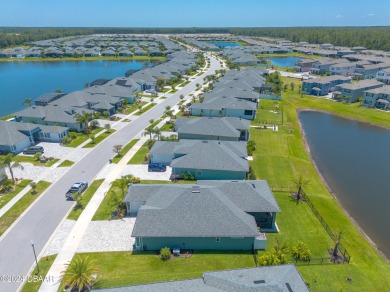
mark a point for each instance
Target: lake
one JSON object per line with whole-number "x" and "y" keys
{"x": 21, "y": 80}
{"x": 354, "y": 159}
{"x": 225, "y": 44}
{"x": 285, "y": 62}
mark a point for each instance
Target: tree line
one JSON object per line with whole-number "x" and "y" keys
{"x": 376, "y": 38}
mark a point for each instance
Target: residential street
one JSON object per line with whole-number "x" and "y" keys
{"x": 41, "y": 220}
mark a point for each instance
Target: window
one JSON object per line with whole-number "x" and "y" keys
{"x": 217, "y": 239}
{"x": 248, "y": 113}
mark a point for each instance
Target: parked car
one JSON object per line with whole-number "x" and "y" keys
{"x": 33, "y": 150}
{"x": 150, "y": 91}
{"x": 158, "y": 167}
{"x": 76, "y": 188}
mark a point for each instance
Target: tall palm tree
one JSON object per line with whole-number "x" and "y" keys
{"x": 83, "y": 119}
{"x": 339, "y": 235}
{"x": 148, "y": 131}
{"x": 300, "y": 182}
{"x": 27, "y": 102}
{"x": 80, "y": 273}
{"x": 8, "y": 161}
{"x": 157, "y": 132}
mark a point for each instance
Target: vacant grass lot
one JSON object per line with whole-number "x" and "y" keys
{"x": 281, "y": 156}
{"x": 85, "y": 198}
{"x": 125, "y": 149}
{"x": 127, "y": 268}
{"x": 12, "y": 214}
{"x": 44, "y": 267}
{"x": 99, "y": 139}
{"x": 5, "y": 198}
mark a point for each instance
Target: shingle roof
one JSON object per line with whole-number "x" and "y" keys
{"x": 176, "y": 211}
{"x": 223, "y": 127}
{"x": 220, "y": 103}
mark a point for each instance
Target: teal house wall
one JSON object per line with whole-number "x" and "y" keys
{"x": 206, "y": 174}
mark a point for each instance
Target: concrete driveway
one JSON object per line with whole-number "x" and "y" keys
{"x": 141, "y": 171}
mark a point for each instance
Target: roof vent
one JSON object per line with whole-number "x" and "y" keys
{"x": 259, "y": 282}
{"x": 253, "y": 185}
{"x": 204, "y": 141}
{"x": 195, "y": 189}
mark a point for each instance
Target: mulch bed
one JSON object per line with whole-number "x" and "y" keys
{"x": 295, "y": 196}
{"x": 339, "y": 259}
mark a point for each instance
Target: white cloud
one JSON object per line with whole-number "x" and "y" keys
{"x": 371, "y": 14}
{"x": 339, "y": 16}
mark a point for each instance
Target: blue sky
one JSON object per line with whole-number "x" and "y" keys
{"x": 194, "y": 13}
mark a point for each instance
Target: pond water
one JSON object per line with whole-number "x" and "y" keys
{"x": 354, "y": 159}
{"x": 21, "y": 80}
{"x": 285, "y": 62}
{"x": 225, "y": 44}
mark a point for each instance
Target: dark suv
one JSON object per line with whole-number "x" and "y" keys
{"x": 156, "y": 167}
{"x": 33, "y": 150}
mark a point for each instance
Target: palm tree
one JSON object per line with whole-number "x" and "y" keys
{"x": 151, "y": 121}
{"x": 300, "y": 182}
{"x": 27, "y": 102}
{"x": 157, "y": 131}
{"x": 148, "y": 131}
{"x": 80, "y": 273}
{"x": 8, "y": 161}
{"x": 83, "y": 119}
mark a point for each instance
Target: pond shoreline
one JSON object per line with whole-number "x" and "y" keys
{"x": 334, "y": 195}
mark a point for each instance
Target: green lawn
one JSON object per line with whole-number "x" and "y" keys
{"x": 81, "y": 138}
{"x": 281, "y": 156}
{"x": 66, "y": 163}
{"x": 108, "y": 204}
{"x": 31, "y": 159}
{"x": 132, "y": 107}
{"x": 167, "y": 127}
{"x": 185, "y": 83}
{"x": 44, "y": 267}
{"x": 145, "y": 109}
{"x": 85, "y": 198}
{"x": 147, "y": 267}
{"x": 125, "y": 149}
{"x": 12, "y": 214}
{"x": 5, "y": 198}
{"x": 7, "y": 117}
{"x": 99, "y": 139}
{"x": 139, "y": 157}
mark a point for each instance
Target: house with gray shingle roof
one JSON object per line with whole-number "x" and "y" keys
{"x": 15, "y": 137}
{"x": 323, "y": 85}
{"x": 377, "y": 97}
{"x": 214, "y": 215}
{"x": 211, "y": 128}
{"x": 224, "y": 107}
{"x": 351, "y": 92}
{"x": 52, "y": 115}
{"x": 280, "y": 278}
{"x": 193, "y": 156}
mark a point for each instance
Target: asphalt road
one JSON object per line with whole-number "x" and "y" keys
{"x": 39, "y": 223}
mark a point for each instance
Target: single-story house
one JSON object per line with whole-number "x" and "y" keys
{"x": 203, "y": 159}
{"x": 224, "y": 107}
{"x": 45, "y": 99}
{"x": 269, "y": 278}
{"x": 323, "y": 85}
{"x": 351, "y": 92}
{"x": 15, "y": 137}
{"x": 377, "y": 97}
{"x": 216, "y": 215}
{"x": 212, "y": 128}
{"x": 52, "y": 115}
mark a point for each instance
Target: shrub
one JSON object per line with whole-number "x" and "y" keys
{"x": 165, "y": 253}
{"x": 251, "y": 174}
{"x": 188, "y": 176}
{"x": 33, "y": 186}
{"x": 135, "y": 180}
{"x": 300, "y": 251}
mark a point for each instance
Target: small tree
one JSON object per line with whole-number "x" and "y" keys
{"x": 92, "y": 137}
{"x": 94, "y": 124}
{"x": 27, "y": 102}
{"x": 277, "y": 255}
{"x": 33, "y": 186}
{"x": 251, "y": 146}
{"x": 97, "y": 115}
{"x": 300, "y": 182}
{"x": 285, "y": 87}
{"x": 181, "y": 96}
{"x": 292, "y": 86}
{"x": 140, "y": 108}
{"x": 106, "y": 113}
{"x": 300, "y": 251}
{"x": 165, "y": 253}
{"x": 148, "y": 131}
{"x": 339, "y": 235}
{"x": 58, "y": 90}
{"x": 151, "y": 121}
{"x": 299, "y": 88}
{"x": 37, "y": 156}
{"x": 107, "y": 127}
{"x": 118, "y": 150}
